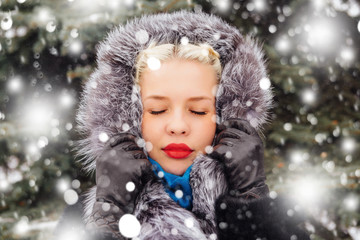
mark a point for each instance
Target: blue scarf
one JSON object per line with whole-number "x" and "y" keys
{"x": 172, "y": 183}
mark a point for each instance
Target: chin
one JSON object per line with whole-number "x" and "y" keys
{"x": 178, "y": 169}
{"x": 178, "y": 173}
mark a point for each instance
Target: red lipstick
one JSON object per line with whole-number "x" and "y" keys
{"x": 177, "y": 151}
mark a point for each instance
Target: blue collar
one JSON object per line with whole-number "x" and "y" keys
{"x": 175, "y": 184}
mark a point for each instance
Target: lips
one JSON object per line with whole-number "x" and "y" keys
{"x": 177, "y": 151}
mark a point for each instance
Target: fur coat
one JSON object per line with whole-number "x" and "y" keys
{"x": 111, "y": 104}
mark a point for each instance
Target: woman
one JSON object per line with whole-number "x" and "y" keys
{"x": 179, "y": 95}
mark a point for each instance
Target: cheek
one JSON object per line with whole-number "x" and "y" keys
{"x": 145, "y": 127}
{"x": 211, "y": 132}
{"x": 148, "y": 134}
{"x": 208, "y": 128}
{"x": 149, "y": 128}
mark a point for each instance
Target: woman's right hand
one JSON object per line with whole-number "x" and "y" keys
{"x": 121, "y": 163}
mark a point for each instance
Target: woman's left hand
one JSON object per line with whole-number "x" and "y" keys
{"x": 238, "y": 146}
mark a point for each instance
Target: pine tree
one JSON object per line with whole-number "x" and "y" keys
{"x": 47, "y": 51}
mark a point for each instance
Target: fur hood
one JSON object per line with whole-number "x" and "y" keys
{"x": 111, "y": 104}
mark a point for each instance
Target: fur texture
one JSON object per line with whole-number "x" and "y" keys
{"x": 111, "y": 104}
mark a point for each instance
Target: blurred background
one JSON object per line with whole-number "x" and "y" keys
{"x": 47, "y": 51}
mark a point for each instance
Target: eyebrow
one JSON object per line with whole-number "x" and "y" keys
{"x": 193, "y": 99}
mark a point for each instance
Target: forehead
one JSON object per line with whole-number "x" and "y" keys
{"x": 190, "y": 78}
{"x": 190, "y": 99}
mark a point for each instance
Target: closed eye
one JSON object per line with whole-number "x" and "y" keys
{"x": 162, "y": 111}
{"x": 198, "y": 113}
{"x": 157, "y": 112}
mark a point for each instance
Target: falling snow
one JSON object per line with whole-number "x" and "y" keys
{"x": 129, "y": 226}
{"x": 153, "y": 63}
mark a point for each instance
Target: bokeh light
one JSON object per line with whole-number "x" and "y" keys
{"x": 322, "y": 34}
{"x": 348, "y": 145}
{"x": 222, "y": 5}
{"x": 62, "y": 185}
{"x": 75, "y": 47}
{"x": 309, "y": 191}
{"x": 6, "y": 23}
{"x": 283, "y": 45}
{"x": 265, "y": 83}
{"x": 129, "y": 226}
{"x": 37, "y": 117}
{"x": 308, "y": 96}
{"x": 71, "y": 197}
{"x": 15, "y": 85}
{"x": 351, "y": 202}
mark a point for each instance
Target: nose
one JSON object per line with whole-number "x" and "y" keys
{"x": 177, "y": 125}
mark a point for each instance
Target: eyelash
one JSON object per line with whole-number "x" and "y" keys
{"x": 194, "y": 112}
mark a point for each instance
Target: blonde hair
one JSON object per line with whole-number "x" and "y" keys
{"x": 202, "y": 53}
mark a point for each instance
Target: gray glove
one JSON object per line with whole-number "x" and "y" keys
{"x": 238, "y": 146}
{"x": 121, "y": 162}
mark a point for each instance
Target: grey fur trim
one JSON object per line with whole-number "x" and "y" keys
{"x": 111, "y": 104}
{"x": 207, "y": 182}
{"x": 90, "y": 199}
{"x": 162, "y": 218}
